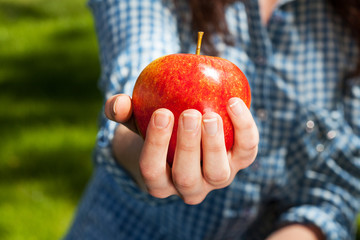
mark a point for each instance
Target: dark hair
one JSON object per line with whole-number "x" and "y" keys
{"x": 349, "y": 11}
{"x": 209, "y": 16}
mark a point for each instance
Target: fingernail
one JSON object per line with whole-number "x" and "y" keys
{"x": 190, "y": 122}
{"x": 161, "y": 120}
{"x": 114, "y": 106}
{"x": 236, "y": 108}
{"x": 211, "y": 126}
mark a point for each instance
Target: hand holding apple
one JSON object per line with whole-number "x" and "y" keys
{"x": 200, "y": 137}
{"x": 146, "y": 161}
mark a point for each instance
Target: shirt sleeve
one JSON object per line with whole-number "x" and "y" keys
{"x": 328, "y": 194}
{"x": 131, "y": 33}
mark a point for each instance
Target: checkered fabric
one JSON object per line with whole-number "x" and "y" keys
{"x": 305, "y": 104}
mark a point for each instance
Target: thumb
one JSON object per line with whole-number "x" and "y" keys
{"x": 118, "y": 108}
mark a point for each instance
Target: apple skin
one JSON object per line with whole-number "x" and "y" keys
{"x": 188, "y": 81}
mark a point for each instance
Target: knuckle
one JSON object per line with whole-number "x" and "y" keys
{"x": 155, "y": 142}
{"x": 245, "y": 159}
{"x": 246, "y": 163}
{"x": 150, "y": 174}
{"x": 253, "y": 155}
{"x": 246, "y": 124}
{"x": 184, "y": 182}
{"x": 249, "y": 145}
{"x": 215, "y": 148}
{"x": 219, "y": 177}
{"x": 187, "y": 147}
{"x": 251, "y": 142}
{"x": 248, "y": 153}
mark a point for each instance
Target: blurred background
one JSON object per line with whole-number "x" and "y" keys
{"x": 49, "y": 105}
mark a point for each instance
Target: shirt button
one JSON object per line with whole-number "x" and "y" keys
{"x": 310, "y": 126}
{"x": 320, "y": 148}
{"x": 335, "y": 115}
{"x": 331, "y": 134}
{"x": 261, "y": 113}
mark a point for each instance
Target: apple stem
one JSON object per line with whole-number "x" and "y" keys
{"x": 200, "y": 36}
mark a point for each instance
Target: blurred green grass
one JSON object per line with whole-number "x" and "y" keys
{"x": 49, "y": 105}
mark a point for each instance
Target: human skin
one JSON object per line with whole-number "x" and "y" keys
{"x": 188, "y": 178}
{"x": 297, "y": 232}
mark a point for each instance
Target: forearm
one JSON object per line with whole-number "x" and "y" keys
{"x": 127, "y": 147}
{"x": 297, "y": 231}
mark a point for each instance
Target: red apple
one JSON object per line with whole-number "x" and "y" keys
{"x": 188, "y": 81}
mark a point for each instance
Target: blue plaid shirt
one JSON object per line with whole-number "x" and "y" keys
{"x": 306, "y": 107}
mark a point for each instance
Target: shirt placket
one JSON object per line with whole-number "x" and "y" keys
{"x": 260, "y": 52}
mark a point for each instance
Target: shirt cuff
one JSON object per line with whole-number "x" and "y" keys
{"x": 321, "y": 218}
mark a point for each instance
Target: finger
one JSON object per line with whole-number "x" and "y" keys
{"x": 216, "y": 169}
{"x": 153, "y": 166}
{"x": 118, "y": 108}
{"x": 186, "y": 170}
{"x": 246, "y": 137}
